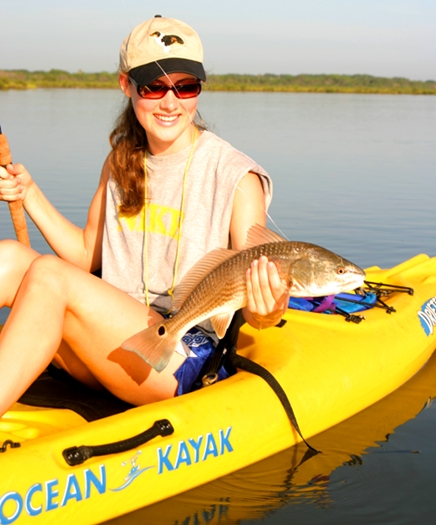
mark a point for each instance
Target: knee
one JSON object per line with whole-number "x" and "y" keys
{"x": 45, "y": 271}
{"x": 11, "y": 251}
{"x": 45, "y": 265}
{"x": 15, "y": 259}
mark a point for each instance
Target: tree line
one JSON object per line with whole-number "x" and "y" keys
{"x": 57, "y": 78}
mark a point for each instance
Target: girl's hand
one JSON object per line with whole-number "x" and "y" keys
{"x": 14, "y": 182}
{"x": 267, "y": 294}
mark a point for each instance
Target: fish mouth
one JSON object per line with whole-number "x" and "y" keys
{"x": 355, "y": 283}
{"x": 356, "y": 280}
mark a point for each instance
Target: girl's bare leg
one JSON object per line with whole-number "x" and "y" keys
{"x": 15, "y": 259}
{"x": 57, "y": 301}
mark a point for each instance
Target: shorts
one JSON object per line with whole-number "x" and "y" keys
{"x": 202, "y": 349}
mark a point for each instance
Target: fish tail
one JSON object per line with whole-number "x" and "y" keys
{"x": 155, "y": 345}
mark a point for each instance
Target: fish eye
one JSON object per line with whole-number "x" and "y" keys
{"x": 340, "y": 270}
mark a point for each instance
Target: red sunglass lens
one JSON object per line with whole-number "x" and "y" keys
{"x": 152, "y": 91}
{"x": 187, "y": 90}
{"x": 156, "y": 91}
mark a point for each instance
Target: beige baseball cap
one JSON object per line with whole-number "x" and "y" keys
{"x": 161, "y": 45}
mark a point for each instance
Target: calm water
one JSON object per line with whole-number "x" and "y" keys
{"x": 353, "y": 173}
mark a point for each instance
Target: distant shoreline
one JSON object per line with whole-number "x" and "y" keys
{"x": 55, "y": 78}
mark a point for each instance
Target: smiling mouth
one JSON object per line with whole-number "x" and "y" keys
{"x": 167, "y": 118}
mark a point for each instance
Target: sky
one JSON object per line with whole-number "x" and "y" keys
{"x": 377, "y": 37}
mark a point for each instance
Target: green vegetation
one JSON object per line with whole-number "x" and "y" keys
{"x": 56, "y": 78}
{"x": 321, "y": 84}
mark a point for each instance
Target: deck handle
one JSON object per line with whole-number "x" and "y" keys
{"x": 11, "y": 443}
{"x": 78, "y": 455}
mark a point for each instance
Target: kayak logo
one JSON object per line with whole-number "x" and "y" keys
{"x": 187, "y": 453}
{"x": 427, "y": 316}
{"x": 194, "y": 450}
{"x": 52, "y": 494}
{"x": 78, "y": 486}
{"x": 134, "y": 472}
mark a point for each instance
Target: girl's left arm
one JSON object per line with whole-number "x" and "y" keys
{"x": 267, "y": 294}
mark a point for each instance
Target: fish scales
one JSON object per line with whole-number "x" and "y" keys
{"x": 226, "y": 283}
{"x": 216, "y": 290}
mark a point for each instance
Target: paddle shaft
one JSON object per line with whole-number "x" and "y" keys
{"x": 16, "y": 207}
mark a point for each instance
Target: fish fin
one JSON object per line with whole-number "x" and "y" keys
{"x": 197, "y": 273}
{"x": 221, "y": 322}
{"x": 258, "y": 234}
{"x": 155, "y": 345}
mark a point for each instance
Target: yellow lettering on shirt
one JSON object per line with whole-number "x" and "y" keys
{"x": 161, "y": 219}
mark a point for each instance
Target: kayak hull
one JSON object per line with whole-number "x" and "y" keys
{"x": 330, "y": 370}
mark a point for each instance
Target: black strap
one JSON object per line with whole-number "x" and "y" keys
{"x": 238, "y": 361}
{"x": 225, "y": 352}
{"x": 209, "y": 374}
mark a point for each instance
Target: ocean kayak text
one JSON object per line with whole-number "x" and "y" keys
{"x": 55, "y": 493}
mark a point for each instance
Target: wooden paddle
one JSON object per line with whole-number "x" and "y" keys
{"x": 16, "y": 207}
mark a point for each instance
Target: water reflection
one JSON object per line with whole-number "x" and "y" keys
{"x": 296, "y": 476}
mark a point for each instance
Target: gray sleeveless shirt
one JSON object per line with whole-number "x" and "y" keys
{"x": 215, "y": 171}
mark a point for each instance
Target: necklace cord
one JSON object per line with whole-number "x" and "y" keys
{"x": 179, "y": 226}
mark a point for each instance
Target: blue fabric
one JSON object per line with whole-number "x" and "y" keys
{"x": 345, "y": 301}
{"x": 362, "y": 302}
{"x": 203, "y": 347}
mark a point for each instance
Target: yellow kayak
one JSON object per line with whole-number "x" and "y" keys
{"x": 294, "y": 476}
{"x": 330, "y": 370}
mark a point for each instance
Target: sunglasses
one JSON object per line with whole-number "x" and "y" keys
{"x": 156, "y": 91}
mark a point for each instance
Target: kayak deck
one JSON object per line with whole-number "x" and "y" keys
{"x": 330, "y": 370}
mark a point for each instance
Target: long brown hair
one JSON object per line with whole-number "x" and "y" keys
{"x": 129, "y": 143}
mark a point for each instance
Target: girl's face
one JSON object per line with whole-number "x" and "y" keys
{"x": 168, "y": 121}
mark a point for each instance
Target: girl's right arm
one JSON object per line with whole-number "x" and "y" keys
{"x": 80, "y": 246}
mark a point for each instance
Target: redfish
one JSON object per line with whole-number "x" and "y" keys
{"x": 216, "y": 287}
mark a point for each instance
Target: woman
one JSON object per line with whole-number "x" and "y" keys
{"x": 200, "y": 194}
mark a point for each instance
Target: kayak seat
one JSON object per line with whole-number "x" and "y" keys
{"x": 55, "y": 388}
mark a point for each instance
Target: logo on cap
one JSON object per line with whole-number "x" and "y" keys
{"x": 166, "y": 41}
